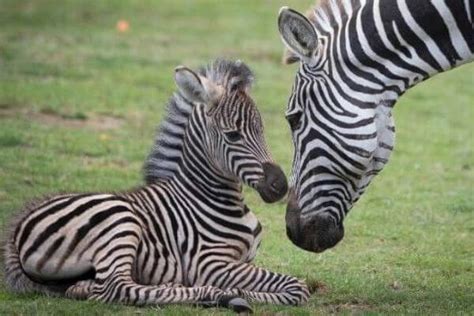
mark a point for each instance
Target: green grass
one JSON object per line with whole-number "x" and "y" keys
{"x": 65, "y": 70}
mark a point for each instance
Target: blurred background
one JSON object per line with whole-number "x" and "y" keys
{"x": 84, "y": 84}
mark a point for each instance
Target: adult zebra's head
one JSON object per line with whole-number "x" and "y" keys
{"x": 342, "y": 137}
{"x": 233, "y": 126}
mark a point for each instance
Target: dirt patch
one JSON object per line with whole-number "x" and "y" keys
{"x": 317, "y": 287}
{"x": 267, "y": 56}
{"x": 79, "y": 120}
{"x": 97, "y": 123}
{"x": 261, "y": 55}
{"x": 93, "y": 162}
{"x": 353, "y": 306}
{"x": 8, "y": 110}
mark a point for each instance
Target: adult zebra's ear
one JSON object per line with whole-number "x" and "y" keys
{"x": 298, "y": 34}
{"x": 196, "y": 88}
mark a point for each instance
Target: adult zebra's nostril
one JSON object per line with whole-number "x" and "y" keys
{"x": 314, "y": 233}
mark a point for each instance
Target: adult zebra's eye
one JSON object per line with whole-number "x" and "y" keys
{"x": 233, "y": 136}
{"x": 294, "y": 120}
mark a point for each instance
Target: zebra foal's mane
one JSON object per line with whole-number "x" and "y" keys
{"x": 165, "y": 156}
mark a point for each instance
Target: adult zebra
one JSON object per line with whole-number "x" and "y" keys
{"x": 356, "y": 59}
{"x": 186, "y": 236}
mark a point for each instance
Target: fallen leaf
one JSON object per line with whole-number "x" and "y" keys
{"x": 122, "y": 26}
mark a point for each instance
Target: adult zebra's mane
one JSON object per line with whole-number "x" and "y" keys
{"x": 333, "y": 14}
{"x": 165, "y": 156}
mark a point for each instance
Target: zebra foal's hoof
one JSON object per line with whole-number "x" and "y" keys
{"x": 236, "y": 303}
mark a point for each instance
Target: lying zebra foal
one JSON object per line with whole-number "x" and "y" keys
{"x": 184, "y": 237}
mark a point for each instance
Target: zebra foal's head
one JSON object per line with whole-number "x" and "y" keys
{"x": 232, "y": 125}
{"x": 341, "y": 124}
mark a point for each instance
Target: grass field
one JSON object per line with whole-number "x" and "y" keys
{"x": 79, "y": 103}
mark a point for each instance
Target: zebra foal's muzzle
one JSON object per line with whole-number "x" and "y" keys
{"x": 273, "y": 186}
{"x": 314, "y": 233}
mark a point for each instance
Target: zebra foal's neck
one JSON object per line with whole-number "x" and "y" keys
{"x": 179, "y": 152}
{"x": 200, "y": 142}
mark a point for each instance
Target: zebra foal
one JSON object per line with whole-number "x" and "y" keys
{"x": 184, "y": 237}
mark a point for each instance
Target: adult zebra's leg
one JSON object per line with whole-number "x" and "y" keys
{"x": 261, "y": 285}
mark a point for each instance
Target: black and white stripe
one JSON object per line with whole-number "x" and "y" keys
{"x": 186, "y": 236}
{"x": 356, "y": 59}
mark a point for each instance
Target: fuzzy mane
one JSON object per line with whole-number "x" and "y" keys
{"x": 165, "y": 156}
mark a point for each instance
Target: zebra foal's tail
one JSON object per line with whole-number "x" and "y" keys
{"x": 16, "y": 279}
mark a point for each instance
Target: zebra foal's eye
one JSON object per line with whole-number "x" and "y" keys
{"x": 294, "y": 120}
{"x": 233, "y": 136}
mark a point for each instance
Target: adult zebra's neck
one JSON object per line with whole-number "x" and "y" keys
{"x": 391, "y": 45}
{"x": 426, "y": 37}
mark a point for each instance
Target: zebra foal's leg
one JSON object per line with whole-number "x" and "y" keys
{"x": 123, "y": 289}
{"x": 89, "y": 289}
{"x": 261, "y": 285}
{"x": 114, "y": 283}
{"x": 80, "y": 290}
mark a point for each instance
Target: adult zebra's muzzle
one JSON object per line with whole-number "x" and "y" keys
{"x": 273, "y": 186}
{"x": 314, "y": 233}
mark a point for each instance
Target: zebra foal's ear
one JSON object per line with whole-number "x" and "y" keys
{"x": 196, "y": 88}
{"x": 298, "y": 34}
{"x": 189, "y": 84}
